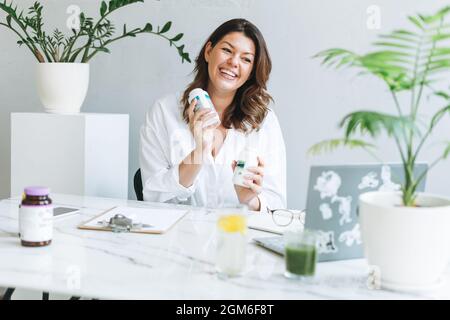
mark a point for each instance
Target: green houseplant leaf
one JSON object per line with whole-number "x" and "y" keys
{"x": 177, "y": 37}
{"x": 93, "y": 36}
{"x": 103, "y": 8}
{"x": 166, "y": 27}
{"x": 333, "y": 144}
{"x": 406, "y": 60}
{"x": 374, "y": 123}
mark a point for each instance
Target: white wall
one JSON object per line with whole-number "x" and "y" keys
{"x": 310, "y": 100}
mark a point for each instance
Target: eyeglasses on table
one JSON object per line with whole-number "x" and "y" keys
{"x": 284, "y": 217}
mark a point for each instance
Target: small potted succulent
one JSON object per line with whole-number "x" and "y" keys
{"x": 63, "y": 60}
{"x": 405, "y": 234}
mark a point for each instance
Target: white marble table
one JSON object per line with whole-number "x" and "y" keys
{"x": 176, "y": 265}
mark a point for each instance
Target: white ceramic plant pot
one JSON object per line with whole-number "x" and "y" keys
{"x": 409, "y": 246}
{"x": 62, "y": 87}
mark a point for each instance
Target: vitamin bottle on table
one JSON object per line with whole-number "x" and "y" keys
{"x": 36, "y": 217}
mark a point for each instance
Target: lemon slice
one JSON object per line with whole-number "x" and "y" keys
{"x": 232, "y": 223}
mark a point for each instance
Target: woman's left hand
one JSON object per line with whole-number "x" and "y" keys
{"x": 254, "y": 181}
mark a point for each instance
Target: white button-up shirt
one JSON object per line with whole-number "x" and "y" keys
{"x": 166, "y": 141}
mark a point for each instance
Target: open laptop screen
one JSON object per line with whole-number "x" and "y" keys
{"x": 332, "y": 201}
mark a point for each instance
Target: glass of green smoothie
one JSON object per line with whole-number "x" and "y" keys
{"x": 300, "y": 254}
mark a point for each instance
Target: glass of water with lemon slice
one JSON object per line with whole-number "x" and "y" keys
{"x": 231, "y": 240}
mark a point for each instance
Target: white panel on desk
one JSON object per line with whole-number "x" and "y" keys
{"x": 84, "y": 154}
{"x": 107, "y": 151}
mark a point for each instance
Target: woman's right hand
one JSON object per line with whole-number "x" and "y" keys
{"x": 191, "y": 165}
{"x": 203, "y": 136}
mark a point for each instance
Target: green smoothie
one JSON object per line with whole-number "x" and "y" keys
{"x": 301, "y": 259}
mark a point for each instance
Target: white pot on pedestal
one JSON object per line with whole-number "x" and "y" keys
{"x": 409, "y": 246}
{"x": 62, "y": 87}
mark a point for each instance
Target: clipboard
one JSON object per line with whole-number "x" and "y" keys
{"x": 158, "y": 220}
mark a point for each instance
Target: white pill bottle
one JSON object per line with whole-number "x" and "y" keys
{"x": 247, "y": 158}
{"x": 204, "y": 101}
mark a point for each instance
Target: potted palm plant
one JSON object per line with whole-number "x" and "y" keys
{"x": 406, "y": 234}
{"x": 63, "y": 60}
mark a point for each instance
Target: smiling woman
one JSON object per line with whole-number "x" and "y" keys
{"x": 235, "y": 58}
{"x": 184, "y": 160}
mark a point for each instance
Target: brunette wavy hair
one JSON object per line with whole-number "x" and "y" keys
{"x": 250, "y": 104}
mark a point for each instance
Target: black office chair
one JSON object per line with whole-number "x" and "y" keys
{"x": 138, "y": 185}
{"x": 8, "y": 294}
{"x": 45, "y": 295}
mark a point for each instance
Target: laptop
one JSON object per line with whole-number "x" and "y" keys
{"x": 332, "y": 201}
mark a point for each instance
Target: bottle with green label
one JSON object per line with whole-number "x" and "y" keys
{"x": 247, "y": 159}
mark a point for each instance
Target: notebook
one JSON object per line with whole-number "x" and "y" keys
{"x": 154, "y": 221}
{"x": 263, "y": 221}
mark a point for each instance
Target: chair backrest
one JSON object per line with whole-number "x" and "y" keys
{"x": 138, "y": 185}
